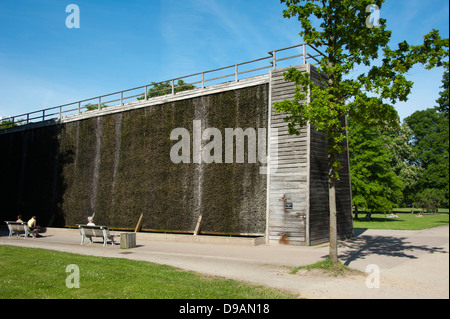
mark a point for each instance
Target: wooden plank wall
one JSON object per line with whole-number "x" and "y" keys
{"x": 288, "y": 170}
{"x": 344, "y": 200}
{"x": 319, "y": 221}
{"x": 299, "y": 170}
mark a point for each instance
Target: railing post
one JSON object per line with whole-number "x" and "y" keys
{"x": 236, "y": 72}
{"x": 60, "y": 112}
{"x": 121, "y": 98}
{"x": 173, "y": 87}
{"x": 79, "y": 107}
{"x": 145, "y": 94}
{"x": 304, "y": 53}
{"x": 28, "y": 118}
{"x": 43, "y": 115}
{"x": 203, "y": 80}
{"x": 274, "y": 62}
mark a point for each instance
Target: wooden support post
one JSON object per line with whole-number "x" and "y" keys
{"x": 139, "y": 224}
{"x": 197, "y": 228}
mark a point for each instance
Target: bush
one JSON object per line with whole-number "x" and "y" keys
{"x": 430, "y": 199}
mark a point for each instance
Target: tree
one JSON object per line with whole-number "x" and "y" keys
{"x": 431, "y": 141}
{"x": 4, "y": 124}
{"x": 340, "y": 28}
{"x": 429, "y": 199}
{"x": 443, "y": 99}
{"x": 383, "y": 166}
{"x": 164, "y": 88}
{"x": 158, "y": 89}
{"x": 404, "y": 159}
{"x": 376, "y": 184}
{"x": 93, "y": 107}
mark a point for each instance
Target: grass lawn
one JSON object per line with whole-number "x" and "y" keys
{"x": 405, "y": 220}
{"x": 38, "y": 273}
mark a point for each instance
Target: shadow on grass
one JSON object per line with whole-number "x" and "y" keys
{"x": 365, "y": 245}
{"x": 378, "y": 220}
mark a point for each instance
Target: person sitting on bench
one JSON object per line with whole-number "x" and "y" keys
{"x": 91, "y": 221}
{"x": 33, "y": 226}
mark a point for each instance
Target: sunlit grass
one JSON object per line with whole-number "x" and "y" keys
{"x": 405, "y": 221}
{"x": 327, "y": 267}
{"x": 38, "y": 273}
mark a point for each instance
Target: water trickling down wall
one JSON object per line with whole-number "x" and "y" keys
{"x": 119, "y": 166}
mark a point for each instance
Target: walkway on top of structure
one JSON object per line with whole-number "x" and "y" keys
{"x": 229, "y": 77}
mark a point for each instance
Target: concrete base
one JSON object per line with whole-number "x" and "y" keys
{"x": 205, "y": 239}
{"x": 160, "y": 237}
{"x": 127, "y": 240}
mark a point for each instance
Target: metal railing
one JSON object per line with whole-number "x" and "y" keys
{"x": 231, "y": 73}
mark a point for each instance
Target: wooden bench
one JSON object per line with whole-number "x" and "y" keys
{"x": 96, "y": 231}
{"x": 18, "y": 228}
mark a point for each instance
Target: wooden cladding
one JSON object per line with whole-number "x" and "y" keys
{"x": 299, "y": 173}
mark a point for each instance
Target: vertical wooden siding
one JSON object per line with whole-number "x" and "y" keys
{"x": 319, "y": 221}
{"x": 288, "y": 170}
{"x": 301, "y": 173}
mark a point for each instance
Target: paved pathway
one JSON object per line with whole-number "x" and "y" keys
{"x": 412, "y": 264}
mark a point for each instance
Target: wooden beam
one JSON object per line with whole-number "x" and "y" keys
{"x": 197, "y": 228}
{"x": 139, "y": 224}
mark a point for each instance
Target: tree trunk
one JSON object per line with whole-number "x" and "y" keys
{"x": 333, "y": 254}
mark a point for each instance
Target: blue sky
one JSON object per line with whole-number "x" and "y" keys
{"x": 125, "y": 44}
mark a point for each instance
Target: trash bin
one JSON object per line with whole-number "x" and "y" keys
{"x": 127, "y": 240}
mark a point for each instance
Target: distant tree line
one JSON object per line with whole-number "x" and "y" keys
{"x": 402, "y": 166}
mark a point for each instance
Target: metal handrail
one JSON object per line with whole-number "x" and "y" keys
{"x": 49, "y": 113}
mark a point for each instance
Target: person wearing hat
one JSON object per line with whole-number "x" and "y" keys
{"x": 91, "y": 221}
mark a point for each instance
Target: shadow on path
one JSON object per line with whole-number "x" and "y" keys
{"x": 365, "y": 245}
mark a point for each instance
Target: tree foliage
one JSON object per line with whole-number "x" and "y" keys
{"x": 157, "y": 89}
{"x": 382, "y": 166}
{"x": 339, "y": 27}
{"x": 368, "y": 97}
{"x": 430, "y": 199}
{"x": 4, "y": 124}
{"x": 442, "y": 101}
{"x": 431, "y": 141}
{"x": 93, "y": 107}
{"x": 418, "y": 156}
{"x": 164, "y": 88}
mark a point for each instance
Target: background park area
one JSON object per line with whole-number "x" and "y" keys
{"x": 403, "y": 219}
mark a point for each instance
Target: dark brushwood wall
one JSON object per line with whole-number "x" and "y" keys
{"x": 118, "y": 166}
